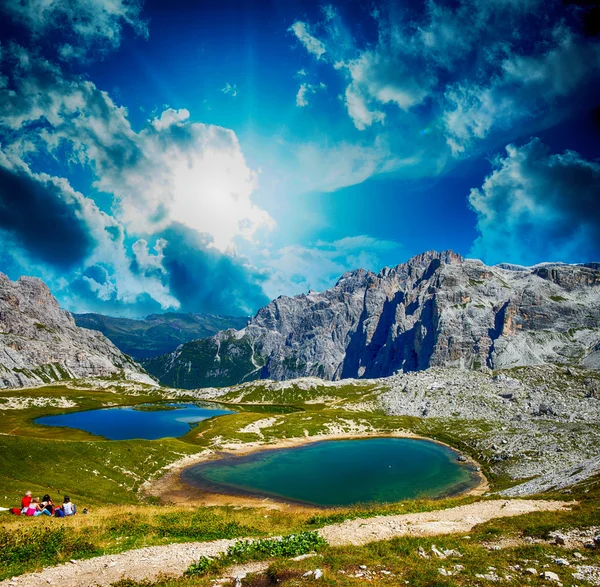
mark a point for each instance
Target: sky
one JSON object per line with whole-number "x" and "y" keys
{"x": 211, "y": 156}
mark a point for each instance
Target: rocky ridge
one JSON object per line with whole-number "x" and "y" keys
{"x": 40, "y": 343}
{"x": 435, "y": 310}
{"x": 541, "y": 422}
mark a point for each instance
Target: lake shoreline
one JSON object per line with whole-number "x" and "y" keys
{"x": 171, "y": 488}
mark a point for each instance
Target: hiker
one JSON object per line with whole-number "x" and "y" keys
{"x": 25, "y": 501}
{"x": 48, "y": 504}
{"x": 68, "y": 508}
{"x": 35, "y": 508}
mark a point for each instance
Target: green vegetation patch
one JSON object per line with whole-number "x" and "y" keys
{"x": 42, "y": 544}
{"x": 204, "y": 363}
{"x": 155, "y": 408}
{"x": 292, "y": 394}
{"x": 262, "y": 549}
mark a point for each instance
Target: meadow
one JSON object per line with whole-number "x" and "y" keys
{"x": 107, "y": 478}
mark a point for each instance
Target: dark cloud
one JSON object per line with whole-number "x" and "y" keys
{"x": 77, "y": 29}
{"x": 98, "y": 273}
{"x": 204, "y": 279}
{"x": 537, "y": 206}
{"x": 589, "y": 13}
{"x": 81, "y": 296}
{"x": 43, "y": 219}
{"x": 182, "y": 265}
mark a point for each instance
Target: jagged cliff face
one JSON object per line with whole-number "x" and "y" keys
{"x": 40, "y": 343}
{"x": 437, "y": 309}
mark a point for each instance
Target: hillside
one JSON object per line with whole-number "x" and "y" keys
{"x": 40, "y": 342}
{"x": 435, "y": 310}
{"x": 158, "y": 333}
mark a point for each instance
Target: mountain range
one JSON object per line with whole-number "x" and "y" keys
{"x": 157, "y": 334}
{"x": 437, "y": 309}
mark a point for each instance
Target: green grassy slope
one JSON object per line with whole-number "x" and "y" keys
{"x": 204, "y": 363}
{"x": 106, "y": 476}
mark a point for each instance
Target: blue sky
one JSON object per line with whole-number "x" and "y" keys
{"x": 210, "y": 156}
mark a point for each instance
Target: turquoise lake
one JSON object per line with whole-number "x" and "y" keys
{"x": 148, "y": 422}
{"x": 340, "y": 473}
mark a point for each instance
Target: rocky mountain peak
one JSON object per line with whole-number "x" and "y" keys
{"x": 436, "y": 309}
{"x": 424, "y": 260}
{"x": 40, "y": 343}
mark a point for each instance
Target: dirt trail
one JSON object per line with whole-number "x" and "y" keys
{"x": 450, "y": 521}
{"x": 173, "y": 559}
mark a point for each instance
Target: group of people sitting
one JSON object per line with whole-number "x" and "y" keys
{"x": 33, "y": 506}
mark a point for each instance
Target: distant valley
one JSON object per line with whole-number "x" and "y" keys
{"x": 158, "y": 333}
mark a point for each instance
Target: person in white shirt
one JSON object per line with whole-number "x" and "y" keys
{"x": 68, "y": 506}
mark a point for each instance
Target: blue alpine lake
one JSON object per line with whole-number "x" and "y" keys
{"x": 340, "y": 473}
{"x": 147, "y": 421}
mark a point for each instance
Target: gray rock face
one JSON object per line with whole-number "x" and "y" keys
{"x": 40, "y": 343}
{"x": 437, "y": 309}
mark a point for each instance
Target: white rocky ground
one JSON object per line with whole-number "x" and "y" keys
{"x": 24, "y": 403}
{"x": 536, "y": 422}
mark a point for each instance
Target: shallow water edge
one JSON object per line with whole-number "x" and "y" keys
{"x": 340, "y": 473}
{"x": 170, "y": 488}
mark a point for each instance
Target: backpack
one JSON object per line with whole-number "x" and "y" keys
{"x": 15, "y": 511}
{"x": 59, "y": 513}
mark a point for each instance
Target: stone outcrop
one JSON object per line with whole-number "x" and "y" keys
{"x": 40, "y": 343}
{"x": 437, "y": 309}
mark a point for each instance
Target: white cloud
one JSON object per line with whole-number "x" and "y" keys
{"x": 305, "y": 90}
{"x": 90, "y": 25}
{"x": 174, "y": 170}
{"x": 378, "y": 79}
{"x": 537, "y": 206}
{"x": 311, "y": 43}
{"x": 230, "y": 89}
{"x": 525, "y": 87}
{"x": 344, "y": 164}
{"x": 407, "y": 77}
{"x": 170, "y": 117}
{"x": 146, "y": 261}
{"x": 295, "y": 269}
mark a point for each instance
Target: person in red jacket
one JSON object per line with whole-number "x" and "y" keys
{"x": 25, "y": 501}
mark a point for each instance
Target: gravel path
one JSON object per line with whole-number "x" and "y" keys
{"x": 450, "y": 521}
{"x": 140, "y": 564}
{"x": 173, "y": 559}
